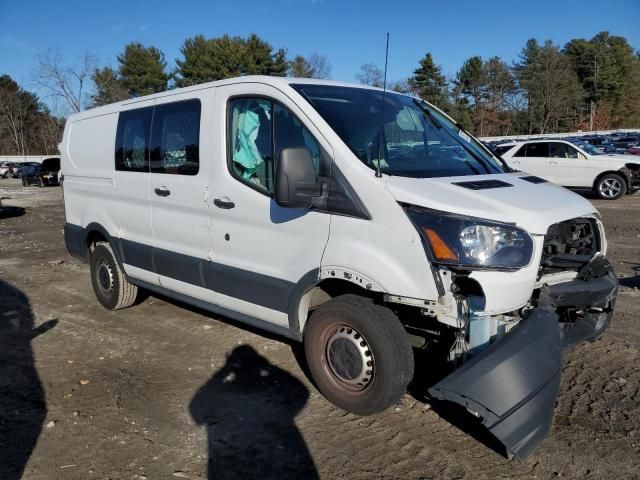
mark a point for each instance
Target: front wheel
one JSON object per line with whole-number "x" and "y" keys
{"x": 358, "y": 354}
{"x": 112, "y": 289}
{"x": 611, "y": 187}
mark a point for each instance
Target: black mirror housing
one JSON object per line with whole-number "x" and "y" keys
{"x": 296, "y": 182}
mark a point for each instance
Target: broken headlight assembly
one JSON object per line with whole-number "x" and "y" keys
{"x": 471, "y": 243}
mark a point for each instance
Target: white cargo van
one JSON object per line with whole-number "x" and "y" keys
{"x": 365, "y": 223}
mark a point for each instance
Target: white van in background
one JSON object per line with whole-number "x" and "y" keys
{"x": 362, "y": 222}
{"x": 583, "y": 166}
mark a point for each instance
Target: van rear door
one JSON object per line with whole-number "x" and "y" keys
{"x": 131, "y": 185}
{"x": 178, "y": 190}
{"x": 532, "y": 158}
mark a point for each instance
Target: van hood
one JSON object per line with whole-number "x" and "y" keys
{"x": 532, "y": 206}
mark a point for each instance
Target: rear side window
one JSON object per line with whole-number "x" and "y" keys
{"x": 557, "y": 150}
{"x": 540, "y": 149}
{"x": 503, "y": 150}
{"x": 132, "y": 140}
{"x": 175, "y": 142}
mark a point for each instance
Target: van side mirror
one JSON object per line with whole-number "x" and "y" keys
{"x": 296, "y": 184}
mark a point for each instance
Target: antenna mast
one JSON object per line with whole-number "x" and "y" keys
{"x": 384, "y": 91}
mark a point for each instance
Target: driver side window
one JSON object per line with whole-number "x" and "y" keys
{"x": 258, "y": 130}
{"x": 572, "y": 152}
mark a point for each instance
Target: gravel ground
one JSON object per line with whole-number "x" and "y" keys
{"x": 163, "y": 390}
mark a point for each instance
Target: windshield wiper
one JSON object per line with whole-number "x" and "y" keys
{"x": 428, "y": 113}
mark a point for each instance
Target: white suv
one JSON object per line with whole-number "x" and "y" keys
{"x": 577, "y": 166}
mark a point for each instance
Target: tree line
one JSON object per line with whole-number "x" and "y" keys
{"x": 585, "y": 84}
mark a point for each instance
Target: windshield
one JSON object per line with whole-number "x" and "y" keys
{"x": 587, "y": 147}
{"x": 401, "y": 134}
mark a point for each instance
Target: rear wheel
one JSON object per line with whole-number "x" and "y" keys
{"x": 611, "y": 186}
{"x": 358, "y": 354}
{"x": 112, "y": 289}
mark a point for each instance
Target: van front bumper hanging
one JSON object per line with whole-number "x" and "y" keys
{"x": 512, "y": 385}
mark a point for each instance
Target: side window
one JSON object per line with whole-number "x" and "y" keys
{"x": 132, "y": 140}
{"x": 175, "y": 142}
{"x": 258, "y": 129}
{"x": 558, "y": 150}
{"x": 289, "y": 132}
{"x": 250, "y": 141}
{"x": 522, "y": 152}
{"x": 540, "y": 149}
{"x": 505, "y": 149}
{"x": 572, "y": 152}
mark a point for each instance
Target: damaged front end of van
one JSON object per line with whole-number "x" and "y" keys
{"x": 508, "y": 364}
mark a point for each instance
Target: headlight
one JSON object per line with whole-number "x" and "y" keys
{"x": 472, "y": 242}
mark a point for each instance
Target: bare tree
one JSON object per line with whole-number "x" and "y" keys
{"x": 67, "y": 82}
{"x": 17, "y": 107}
{"x": 314, "y": 66}
{"x": 370, "y": 74}
{"x": 14, "y": 112}
{"x": 319, "y": 65}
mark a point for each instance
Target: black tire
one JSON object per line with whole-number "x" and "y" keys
{"x": 24, "y": 181}
{"x": 610, "y": 186}
{"x": 337, "y": 338}
{"x": 112, "y": 289}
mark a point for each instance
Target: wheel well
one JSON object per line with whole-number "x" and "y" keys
{"x": 328, "y": 289}
{"x": 93, "y": 237}
{"x": 609, "y": 172}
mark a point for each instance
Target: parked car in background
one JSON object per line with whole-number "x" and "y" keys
{"x": 610, "y": 176}
{"x": 26, "y": 169}
{"x": 48, "y": 174}
{"x": 6, "y": 169}
{"x": 634, "y": 149}
{"x": 622, "y": 144}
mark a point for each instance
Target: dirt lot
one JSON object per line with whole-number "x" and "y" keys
{"x": 166, "y": 391}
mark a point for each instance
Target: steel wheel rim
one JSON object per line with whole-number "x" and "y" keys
{"x": 350, "y": 359}
{"x": 610, "y": 187}
{"x": 105, "y": 277}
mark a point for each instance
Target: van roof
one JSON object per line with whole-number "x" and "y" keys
{"x": 265, "y": 79}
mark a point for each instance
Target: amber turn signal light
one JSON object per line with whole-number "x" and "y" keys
{"x": 440, "y": 249}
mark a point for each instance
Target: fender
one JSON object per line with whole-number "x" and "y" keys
{"x": 77, "y": 241}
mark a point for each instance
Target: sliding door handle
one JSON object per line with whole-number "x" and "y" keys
{"x": 223, "y": 202}
{"x": 162, "y": 192}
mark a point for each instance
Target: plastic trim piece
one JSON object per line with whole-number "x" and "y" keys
{"x": 210, "y": 307}
{"x": 269, "y": 292}
{"x": 513, "y": 384}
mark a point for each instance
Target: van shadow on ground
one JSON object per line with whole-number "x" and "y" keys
{"x": 22, "y": 402}
{"x": 248, "y": 409}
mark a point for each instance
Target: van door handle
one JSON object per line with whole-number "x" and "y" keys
{"x": 163, "y": 191}
{"x": 552, "y": 162}
{"x": 223, "y": 203}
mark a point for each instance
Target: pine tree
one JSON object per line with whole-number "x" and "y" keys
{"x": 470, "y": 79}
{"x": 108, "y": 87}
{"x": 206, "y": 60}
{"x": 429, "y": 83}
{"x": 142, "y": 70}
